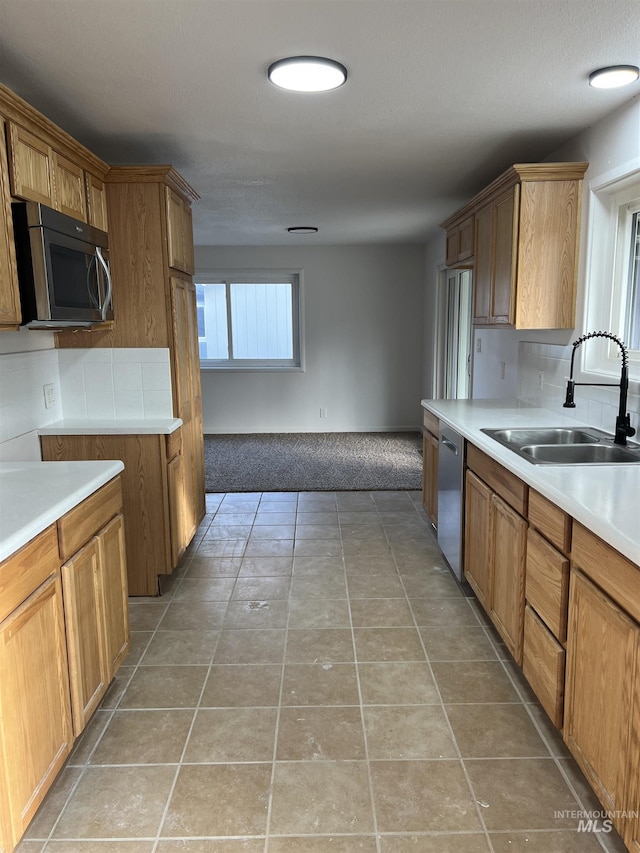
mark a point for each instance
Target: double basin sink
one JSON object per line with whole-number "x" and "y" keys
{"x": 566, "y": 446}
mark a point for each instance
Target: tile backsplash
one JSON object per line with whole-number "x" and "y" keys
{"x": 96, "y": 383}
{"x": 594, "y": 405}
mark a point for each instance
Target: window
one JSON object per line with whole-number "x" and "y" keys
{"x": 249, "y": 321}
{"x": 613, "y": 274}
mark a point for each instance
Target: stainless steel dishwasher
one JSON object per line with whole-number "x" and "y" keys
{"x": 450, "y": 485}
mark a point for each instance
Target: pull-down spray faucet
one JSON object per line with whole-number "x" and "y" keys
{"x": 623, "y": 423}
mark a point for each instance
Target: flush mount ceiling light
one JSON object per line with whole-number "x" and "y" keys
{"x": 307, "y": 74}
{"x": 613, "y": 76}
{"x": 303, "y": 229}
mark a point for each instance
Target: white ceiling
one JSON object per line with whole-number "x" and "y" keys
{"x": 442, "y": 96}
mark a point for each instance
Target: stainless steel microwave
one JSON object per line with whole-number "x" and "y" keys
{"x": 63, "y": 268}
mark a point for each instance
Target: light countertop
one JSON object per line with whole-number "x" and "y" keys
{"x": 604, "y": 498}
{"x": 35, "y": 494}
{"x": 112, "y": 426}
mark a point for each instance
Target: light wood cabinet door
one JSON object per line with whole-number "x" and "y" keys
{"x": 113, "y": 588}
{"x": 482, "y": 269}
{"x": 35, "y": 735}
{"x": 632, "y": 834}
{"x": 88, "y": 674}
{"x": 30, "y": 166}
{"x": 10, "y": 313}
{"x": 177, "y": 507}
{"x": 96, "y": 202}
{"x": 477, "y": 527}
{"x": 179, "y": 233}
{"x": 69, "y": 187}
{"x": 602, "y": 652}
{"x": 503, "y": 264}
{"x": 507, "y": 556}
{"x": 430, "y": 446}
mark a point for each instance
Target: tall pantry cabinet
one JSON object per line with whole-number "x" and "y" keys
{"x": 154, "y": 303}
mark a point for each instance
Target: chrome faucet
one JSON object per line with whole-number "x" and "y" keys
{"x": 623, "y": 423}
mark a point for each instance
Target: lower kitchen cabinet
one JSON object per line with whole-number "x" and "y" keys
{"x": 36, "y": 735}
{"x": 157, "y": 515}
{"x": 602, "y": 711}
{"x": 477, "y": 565}
{"x": 430, "y": 446}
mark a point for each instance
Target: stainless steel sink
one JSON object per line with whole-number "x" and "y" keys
{"x": 581, "y": 454}
{"x": 566, "y": 446}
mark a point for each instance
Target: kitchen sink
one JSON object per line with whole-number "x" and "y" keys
{"x": 566, "y": 446}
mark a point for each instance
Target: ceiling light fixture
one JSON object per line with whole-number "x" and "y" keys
{"x": 613, "y": 76}
{"x": 303, "y": 229}
{"x": 307, "y": 74}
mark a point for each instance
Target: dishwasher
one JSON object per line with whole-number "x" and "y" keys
{"x": 450, "y": 487}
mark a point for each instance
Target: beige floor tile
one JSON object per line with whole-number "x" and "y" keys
{"x": 521, "y": 794}
{"x": 319, "y": 586}
{"x": 316, "y": 548}
{"x": 272, "y": 531}
{"x": 550, "y": 734}
{"x": 320, "y": 684}
{"x": 411, "y": 731}
{"x": 397, "y": 682}
{"x": 248, "y": 589}
{"x": 329, "y": 517}
{"x": 257, "y": 613}
{"x": 269, "y": 548}
{"x": 326, "y": 532}
{"x": 204, "y": 589}
{"x": 321, "y": 796}
{"x": 225, "y": 530}
{"x": 193, "y": 616}
{"x": 98, "y": 847}
{"x": 462, "y": 642}
{"x": 388, "y": 644}
{"x": 545, "y": 842}
{"x": 364, "y": 546}
{"x": 117, "y": 802}
{"x": 350, "y": 517}
{"x": 87, "y": 741}
{"x": 144, "y": 737}
{"x": 145, "y": 616}
{"x": 266, "y": 567}
{"x": 318, "y": 613}
{"x": 222, "y": 547}
{"x": 324, "y": 566}
{"x": 273, "y": 517}
{"x": 474, "y": 842}
{"x": 319, "y": 645}
{"x": 495, "y": 731}
{"x": 320, "y": 734}
{"x": 228, "y": 515}
{"x": 242, "y": 686}
{"x": 139, "y": 640}
{"x": 212, "y": 845}
{"x": 448, "y": 612}
{"x": 383, "y": 612}
{"x": 186, "y": 648}
{"x": 473, "y": 681}
{"x": 432, "y": 585}
{"x": 219, "y": 799}
{"x": 232, "y": 735}
{"x": 164, "y": 687}
{"x": 370, "y": 564}
{"x": 243, "y": 646}
{"x": 375, "y": 586}
{"x": 211, "y": 567}
{"x": 422, "y": 796}
{"x": 323, "y": 844}
{"x": 117, "y": 687}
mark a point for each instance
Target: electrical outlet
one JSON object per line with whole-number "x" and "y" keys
{"x": 49, "y": 391}
{"x": 323, "y": 413}
{"x": 478, "y": 344}
{"x": 503, "y": 367}
{"x": 540, "y": 380}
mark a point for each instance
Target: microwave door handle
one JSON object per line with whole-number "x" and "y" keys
{"x": 107, "y": 298}
{"x": 95, "y": 300}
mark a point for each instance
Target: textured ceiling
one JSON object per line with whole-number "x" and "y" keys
{"x": 442, "y": 96}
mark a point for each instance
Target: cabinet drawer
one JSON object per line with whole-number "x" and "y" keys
{"x": 613, "y": 573}
{"x": 174, "y": 444}
{"x": 25, "y": 570}
{"x": 547, "y": 586}
{"x": 503, "y": 482}
{"x": 430, "y": 422}
{"x": 543, "y": 663}
{"x": 550, "y": 520}
{"x": 82, "y": 522}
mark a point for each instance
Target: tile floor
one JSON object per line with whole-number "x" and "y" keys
{"x": 314, "y": 679}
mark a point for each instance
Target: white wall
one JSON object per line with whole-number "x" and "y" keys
{"x": 363, "y": 318}
{"x": 606, "y": 146}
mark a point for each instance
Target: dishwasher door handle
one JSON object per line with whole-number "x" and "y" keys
{"x": 450, "y": 445}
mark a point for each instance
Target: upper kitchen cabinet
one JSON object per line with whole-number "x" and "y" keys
{"x": 460, "y": 244}
{"x": 179, "y": 232}
{"x": 10, "y": 314}
{"x": 47, "y": 165}
{"x": 525, "y": 246}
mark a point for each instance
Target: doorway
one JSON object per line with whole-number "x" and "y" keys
{"x": 454, "y": 349}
